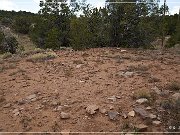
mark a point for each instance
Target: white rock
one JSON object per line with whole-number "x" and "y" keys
{"x": 148, "y": 108}
{"x": 131, "y": 113}
{"x": 65, "y": 115}
{"x": 152, "y": 116}
{"x": 156, "y": 123}
{"x": 142, "y": 100}
{"x": 91, "y": 109}
{"x": 78, "y": 66}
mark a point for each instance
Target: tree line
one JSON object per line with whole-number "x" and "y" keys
{"x": 81, "y": 26}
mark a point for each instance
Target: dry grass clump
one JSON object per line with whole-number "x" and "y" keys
{"x": 6, "y": 55}
{"x": 40, "y": 57}
{"x": 141, "y": 94}
{"x": 174, "y": 86}
{"x": 31, "y": 52}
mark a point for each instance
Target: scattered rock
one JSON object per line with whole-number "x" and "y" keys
{"x": 7, "y": 105}
{"x": 32, "y": 97}
{"x": 123, "y": 50}
{"x": 113, "y": 98}
{"x": 126, "y": 74}
{"x": 65, "y": 132}
{"x": 78, "y": 66}
{"x": 113, "y": 115}
{"x": 103, "y": 111}
{"x": 156, "y": 123}
{"x": 124, "y": 115}
{"x": 65, "y": 115}
{"x": 91, "y": 109}
{"x": 152, "y": 116}
{"x": 111, "y": 107}
{"x": 143, "y": 113}
{"x": 55, "y": 103}
{"x": 176, "y": 96}
{"x": 141, "y": 127}
{"x": 148, "y": 108}
{"x": 132, "y": 113}
{"x": 21, "y": 102}
{"x": 16, "y": 112}
{"x": 82, "y": 81}
{"x": 142, "y": 100}
{"x": 157, "y": 90}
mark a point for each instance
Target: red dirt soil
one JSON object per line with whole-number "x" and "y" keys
{"x": 75, "y": 80}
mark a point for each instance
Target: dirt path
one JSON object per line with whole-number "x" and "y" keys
{"x": 34, "y": 95}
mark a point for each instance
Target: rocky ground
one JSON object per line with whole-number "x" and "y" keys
{"x": 98, "y": 90}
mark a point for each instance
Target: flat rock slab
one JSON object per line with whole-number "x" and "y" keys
{"x": 142, "y": 112}
{"x": 113, "y": 115}
{"x": 141, "y": 127}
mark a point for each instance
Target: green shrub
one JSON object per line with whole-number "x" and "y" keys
{"x": 1, "y": 37}
{"x": 22, "y": 25}
{"x": 6, "y": 21}
{"x": 10, "y": 44}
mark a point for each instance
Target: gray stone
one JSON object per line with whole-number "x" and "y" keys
{"x": 143, "y": 113}
{"x": 113, "y": 115}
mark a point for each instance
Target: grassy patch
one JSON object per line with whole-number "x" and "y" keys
{"x": 40, "y": 57}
